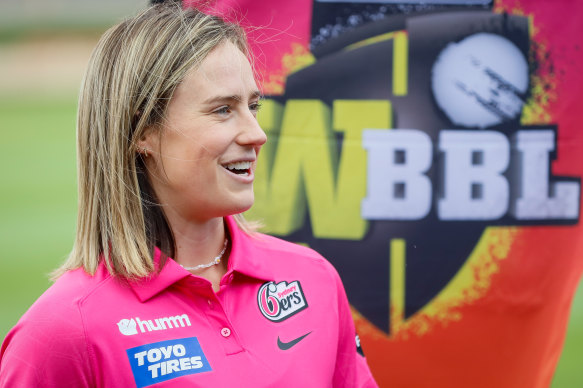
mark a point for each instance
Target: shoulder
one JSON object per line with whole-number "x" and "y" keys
{"x": 284, "y": 258}
{"x": 50, "y": 339}
{"x": 282, "y": 249}
{"x": 277, "y": 245}
{"x": 269, "y": 256}
{"x": 57, "y": 310}
{"x": 63, "y": 298}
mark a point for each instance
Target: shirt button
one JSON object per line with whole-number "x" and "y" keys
{"x": 225, "y": 332}
{"x": 211, "y": 304}
{"x": 231, "y": 278}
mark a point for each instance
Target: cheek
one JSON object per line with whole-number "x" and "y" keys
{"x": 192, "y": 165}
{"x": 186, "y": 150}
{"x": 188, "y": 158}
{"x": 216, "y": 142}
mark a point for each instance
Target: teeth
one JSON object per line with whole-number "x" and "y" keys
{"x": 239, "y": 166}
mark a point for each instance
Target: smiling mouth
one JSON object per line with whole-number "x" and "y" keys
{"x": 239, "y": 168}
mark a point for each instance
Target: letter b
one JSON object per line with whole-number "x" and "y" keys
{"x": 474, "y": 187}
{"x": 397, "y": 188}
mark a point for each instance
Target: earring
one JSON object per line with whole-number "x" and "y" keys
{"x": 143, "y": 151}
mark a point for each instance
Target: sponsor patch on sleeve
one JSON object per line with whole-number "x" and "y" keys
{"x": 358, "y": 347}
{"x": 166, "y": 360}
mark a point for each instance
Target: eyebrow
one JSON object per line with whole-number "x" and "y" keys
{"x": 217, "y": 99}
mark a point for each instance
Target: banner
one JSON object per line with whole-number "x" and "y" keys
{"x": 432, "y": 151}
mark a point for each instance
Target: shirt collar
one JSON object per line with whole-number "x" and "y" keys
{"x": 244, "y": 258}
{"x": 171, "y": 272}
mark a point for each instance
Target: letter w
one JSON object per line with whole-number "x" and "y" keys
{"x": 300, "y": 166}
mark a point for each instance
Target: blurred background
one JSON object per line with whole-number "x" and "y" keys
{"x": 44, "y": 47}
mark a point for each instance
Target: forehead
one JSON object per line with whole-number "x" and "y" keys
{"x": 225, "y": 71}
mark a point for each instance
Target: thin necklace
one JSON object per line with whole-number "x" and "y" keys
{"x": 215, "y": 261}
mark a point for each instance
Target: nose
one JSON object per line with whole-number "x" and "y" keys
{"x": 251, "y": 133}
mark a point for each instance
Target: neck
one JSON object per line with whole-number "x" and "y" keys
{"x": 198, "y": 243}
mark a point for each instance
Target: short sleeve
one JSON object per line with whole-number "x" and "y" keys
{"x": 351, "y": 368}
{"x": 47, "y": 348}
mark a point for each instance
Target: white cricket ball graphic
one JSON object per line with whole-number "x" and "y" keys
{"x": 480, "y": 81}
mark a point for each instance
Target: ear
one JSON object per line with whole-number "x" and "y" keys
{"x": 149, "y": 142}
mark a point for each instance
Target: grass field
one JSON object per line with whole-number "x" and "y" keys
{"x": 38, "y": 205}
{"x": 37, "y": 198}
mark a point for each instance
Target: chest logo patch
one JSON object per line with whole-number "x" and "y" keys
{"x": 131, "y": 326}
{"x": 166, "y": 360}
{"x": 280, "y": 301}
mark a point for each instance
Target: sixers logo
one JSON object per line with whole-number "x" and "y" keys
{"x": 280, "y": 301}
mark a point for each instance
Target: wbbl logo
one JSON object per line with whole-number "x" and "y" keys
{"x": 410, "y": 163}
{"x": 280, "y": 301}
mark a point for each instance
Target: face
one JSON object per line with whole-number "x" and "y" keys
{"x": 201, "y": 162}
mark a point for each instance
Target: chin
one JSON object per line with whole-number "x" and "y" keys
{"x": 241, "y": 206}
{"x": 244, "y": 208}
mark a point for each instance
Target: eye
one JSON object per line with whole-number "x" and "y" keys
{"x": 255, "y": 106}
{"x": 223, "y": 110}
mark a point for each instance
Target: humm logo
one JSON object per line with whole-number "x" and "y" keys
{"x": 130, "y": 326}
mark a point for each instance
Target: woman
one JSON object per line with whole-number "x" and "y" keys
{"x": 166, "y": 283}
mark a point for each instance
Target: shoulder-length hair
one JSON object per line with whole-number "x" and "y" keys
{"x": 132, "y": 75}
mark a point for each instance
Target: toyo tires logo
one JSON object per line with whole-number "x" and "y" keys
{"x": 405, "y": 158}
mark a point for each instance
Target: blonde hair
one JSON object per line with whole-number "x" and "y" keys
{"x": 132, "y": 74}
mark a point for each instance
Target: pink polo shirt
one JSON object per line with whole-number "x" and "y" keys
{"x": 280, "y": 319}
